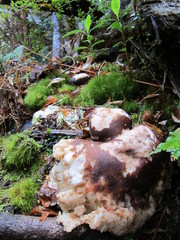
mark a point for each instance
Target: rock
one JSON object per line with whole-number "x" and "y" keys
{"x": 79, "y": 79}
{"x": 55, "y": 81}
{"x": 112, "y": 186}
{"x": 27, "y": 125}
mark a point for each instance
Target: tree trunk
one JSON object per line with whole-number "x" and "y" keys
{"x": 165, "y": 19}
{"x": 56, "y": 37}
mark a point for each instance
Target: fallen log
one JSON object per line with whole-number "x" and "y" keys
{"x": 19, "y": 227}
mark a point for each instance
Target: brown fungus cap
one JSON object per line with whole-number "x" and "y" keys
{"x": 106, "y": 123}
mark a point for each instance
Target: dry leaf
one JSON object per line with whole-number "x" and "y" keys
{"x": 50, "y": 100}
{"x": 148, "y": 117}
{"x": 44, "y": 212}
{"x": 47, "y": 213}
{"x": 47, "y": 195}
{"x": 56, "y": 80}
{"x": 176, "y": 115}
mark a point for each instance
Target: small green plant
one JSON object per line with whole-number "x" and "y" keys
{"x": 48, "y": 131}
{"x": 23, "y": 194}
{"x": 19, "y": 151}
{"x": 118, "y": 25}
{"x": 114, "y": 86}
{"x": 90, "y": 40}
{"x": 171, "y": 145}
{"x": 37, "y": 94}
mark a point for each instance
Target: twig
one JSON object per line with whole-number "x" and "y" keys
{"x": 164, "y": 79}
{"x": 150, "y": 84}
{"x": 114, "y": 103}
{"x": 160, "y": 220}
{"x": 61, "y": 64}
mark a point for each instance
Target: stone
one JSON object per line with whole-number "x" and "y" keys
{"x": 79, "y": 79}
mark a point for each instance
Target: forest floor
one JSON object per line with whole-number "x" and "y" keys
{"x": 27, "y": 89}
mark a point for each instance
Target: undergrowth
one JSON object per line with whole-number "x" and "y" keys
{"x": 114, "y": 86}
{"x": 19, "y": 151}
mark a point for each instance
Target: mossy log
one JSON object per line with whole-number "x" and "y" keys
{"x": 19, "y": 227}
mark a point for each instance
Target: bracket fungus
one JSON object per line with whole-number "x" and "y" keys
{"x": 112, "y": 184}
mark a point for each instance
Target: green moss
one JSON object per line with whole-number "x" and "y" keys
{"x": 22, "y": 194}
{"x": 2, "y": 205}
{"x": 100, "y": 89}
{"x": 66, "y": 100}
{"x": 12, "y": 176}
{"x": 111, "y": 67}
{"x": 37, "y": 94}
{"x": 66, "y": 88}
{"x": 19, "y": 151}
{"x": 130, "y": 106}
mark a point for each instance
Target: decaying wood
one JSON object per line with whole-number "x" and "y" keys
{"x": 19, "y": 227}
{"x": 27, "y": 227}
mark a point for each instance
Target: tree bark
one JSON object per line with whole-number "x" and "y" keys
{"x": 165, "y": 19}
{"x": 19, "y": 227}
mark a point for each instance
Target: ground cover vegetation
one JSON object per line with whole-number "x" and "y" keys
{"x": 136, "y": 81}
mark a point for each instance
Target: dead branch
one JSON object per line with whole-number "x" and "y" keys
{"x": 17, "y": 227}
